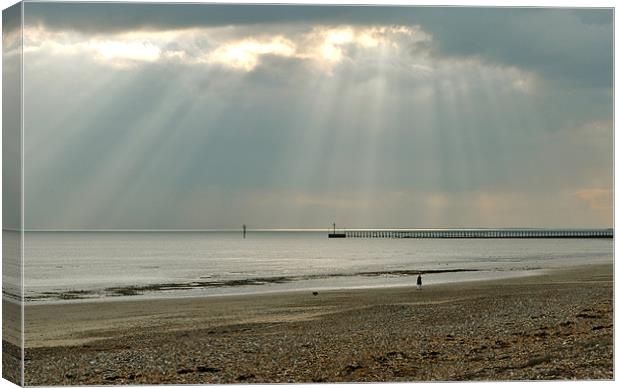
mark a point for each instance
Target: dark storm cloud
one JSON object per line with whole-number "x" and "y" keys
{"x": 11, "y": 19}
{"x": 555, "y": 43}
{"x": 107, "y": 18}
{"x": 566, "y": 45}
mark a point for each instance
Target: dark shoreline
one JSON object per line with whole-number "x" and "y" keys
{"x": 139, "y": 290}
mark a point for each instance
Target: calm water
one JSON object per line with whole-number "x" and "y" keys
{"x": 68, "y": 266}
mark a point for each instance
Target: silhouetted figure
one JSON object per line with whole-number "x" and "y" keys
{"x": 243, "y": 230}
{"x": 315, "y": 293}
{"x": 419, "y": 282}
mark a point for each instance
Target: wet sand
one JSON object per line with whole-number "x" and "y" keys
{"x": 554, "y": 326}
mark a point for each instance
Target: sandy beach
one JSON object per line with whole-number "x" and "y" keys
{"x": 553, "y": 326}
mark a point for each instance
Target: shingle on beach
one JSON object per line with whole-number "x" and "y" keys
{"x": 554, "y": 326}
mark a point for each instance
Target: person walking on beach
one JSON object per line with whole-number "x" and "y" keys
{"x": 419, "y": 282}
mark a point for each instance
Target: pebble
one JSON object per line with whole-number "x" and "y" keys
{"x": 378, "y": 342}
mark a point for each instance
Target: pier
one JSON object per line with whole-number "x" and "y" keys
{"x": 473, "y": 233}
{"x": 336, "y": 234}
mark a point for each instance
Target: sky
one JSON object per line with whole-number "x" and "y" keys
{"x": 155, "y": 116}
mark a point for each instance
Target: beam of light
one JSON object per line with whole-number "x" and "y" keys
{"x": 305, "y": 161}
{"x": 167, "y": 130}
{"x": 121, "y": 170}
{"x": 377, "y": 119}
{"x": 344, "y": 116}
{"x": 44, "y": 148}
{"x": 350, "y": 107}
{"x": 140, "y": 157}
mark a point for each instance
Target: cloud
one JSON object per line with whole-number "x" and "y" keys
{"x": 568, "y": 46}
{"x": 597, "y": 199}
{"x": 230, "y": 47}
{"x": 12, "y": 31}
{"x": 245, "y": 54}
{"x": 556, "y": 43}
{"x": 129, "y": 51}
{"x": 376, "y": 116}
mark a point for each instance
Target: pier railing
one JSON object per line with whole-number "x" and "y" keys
{"x": 477, "y": 233}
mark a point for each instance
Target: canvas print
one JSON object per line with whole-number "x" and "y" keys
{"x": 285, "y": 193}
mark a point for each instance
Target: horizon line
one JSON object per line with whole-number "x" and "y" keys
{"x": 303, "y": 229}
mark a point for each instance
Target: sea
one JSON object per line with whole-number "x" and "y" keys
{"x": 73, "y": 267}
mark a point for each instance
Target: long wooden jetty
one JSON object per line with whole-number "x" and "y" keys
{"x": 473, "y": 233}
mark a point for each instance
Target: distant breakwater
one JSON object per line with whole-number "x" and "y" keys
{"x": 473, "y": 233}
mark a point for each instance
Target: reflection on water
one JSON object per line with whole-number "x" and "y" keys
{"x": 85, "y": 265}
